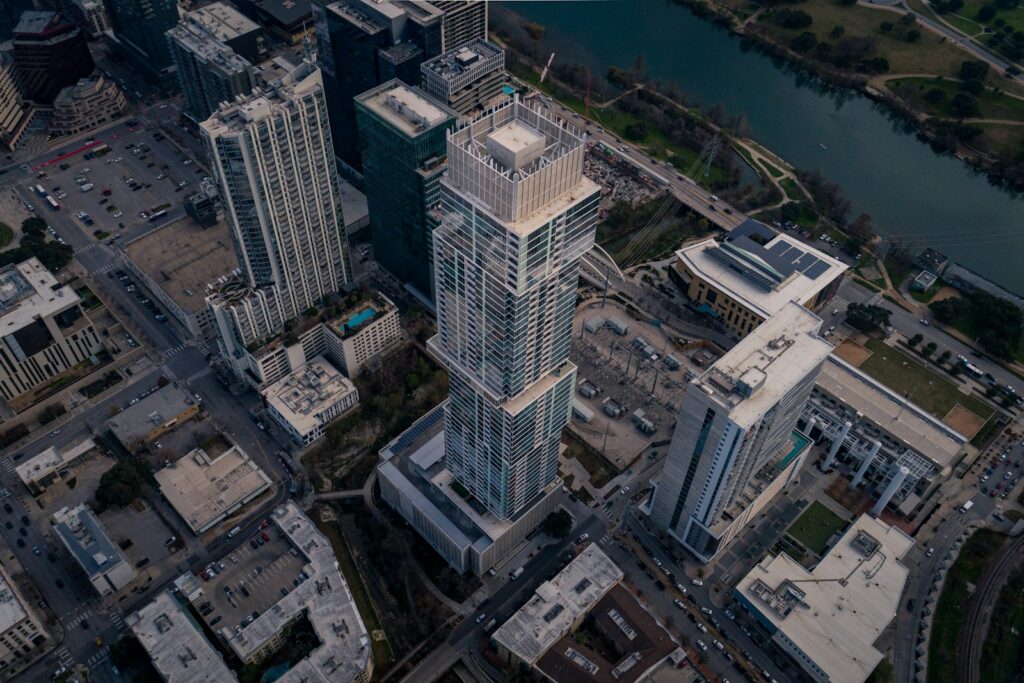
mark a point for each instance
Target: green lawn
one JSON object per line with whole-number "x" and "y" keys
{"x": 815, "y": 527}
{"x": 792, "y": 190}
{"x": 6, "y": 235}
{"x": 993, "y": 105}
{"x": 905, "y": 375}
{"x": 776, "y": 173}
{"x": 949, "y": 612}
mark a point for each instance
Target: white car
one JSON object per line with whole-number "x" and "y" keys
{"x": 702, "y": 646}
{"x": 696, "y": 582}
{"x": 118, "y": 214}
{"x": 582, "y": 538}
{"x": 624, "y": 490}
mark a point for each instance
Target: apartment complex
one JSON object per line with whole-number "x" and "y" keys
{"x": 466, "y": 78}
{"x": 753, "y": 273}
{"x": 272, "y": 156}
{"x": 306, "y": 401}
{"x": 464, "y": 21}
{"x": 403, "y": 139}
{"x": 139, "y": 28}
{"x": 50, "y": 53}
{"x": 106, "y": 567}
{"x": 90, "y": 103}
{"x": 209, "y": 72}
{"x": 21, "y": 630}
{"x": 228, "y": 26}
{"x": 364, "y": 333}
{"x": 44, "y": 330}
{"x": 735, "y": 444}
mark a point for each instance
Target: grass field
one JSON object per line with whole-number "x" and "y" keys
{"x": 952, "y": 605}
{"x": 905, "y": 375}
{"x": 601, "y": 471}
{"x": 792, "y": 190}
{"x": 993, "y": 105}
{"x": 815, "y": 526}
{"x": 1001, "y": 655}
{"x": 6, "y": 235}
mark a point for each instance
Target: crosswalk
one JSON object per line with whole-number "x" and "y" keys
{"x": 175, "y": 350}
{"x": 117, "y": 617}
{"x": 98, "y": 657}
{"x": 102, "y": 270}
{"x": 198, "y": 375}
{"x": 8, "y": 466}
{"x": 64, "y": 656}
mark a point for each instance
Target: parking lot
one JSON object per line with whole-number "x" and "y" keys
{"x": 141, "y": 172}
{"x": 253, "y": 579}
{"x": 1001, "y": 475}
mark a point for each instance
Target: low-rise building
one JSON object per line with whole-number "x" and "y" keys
{"x": 204, "y": 489}
{"x": 175, "y": 643}
{"x": 162, "y": 411}
{"x": 90, "y": 103}
{"x": 43, "y": 330}
{"x": 106, "y": 567}
{"x": 829, "y": 617}
{"x": 752, "y": 274}
{"x": 415, "y": 482}
{"x": 21, "y": 631}
{"x": 368, "y": 331}
{"x": 466, "y": 78}
{"x": 305, "y": 401}
{"x": 38, "y": 472}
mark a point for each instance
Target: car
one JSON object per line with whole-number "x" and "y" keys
{"x": 582, "y": 538}
{"x": 480, "y": 617}
{"x": 718, "y": 645}
{"x": 1007, "y": 476}
{"x": 118, "y": 214}
{"x": 36, "y": 550}
{"x": 701, "y": 627}
{"x": 924, "y": 321}
{"x": 216, "y": 620}
{"x": 679, "y": 603}
{"x": 54, "y": 433}
{"x": 706, "y": 610}
{"x": 624, "y": 490}
{"x": 701, "y": 645}
{"x": 696, "y": 582}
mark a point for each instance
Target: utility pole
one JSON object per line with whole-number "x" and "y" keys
{"x": 604, "y": 295}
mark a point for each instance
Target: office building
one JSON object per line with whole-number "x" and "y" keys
{"x": 466, "y": 78}
{"x": 175, "y": 643}
{"x": 89, "y": 104}
{"x": 306, "y": 401}
{"x": 104, "y": 564}
{"x": 403, "y": 139}
{"x": 272, "y": 156}
{"x": 735, "y": 443}
{"x": 15, "y": 112}
{"x": 22, "y": 634}
{"x": 875, "y": 431}
{"x": 44, "y": 330}
{"x": 233, "y": 29}
{"x": 10, "y": 13}
{"x": 753, "y": 273}
{"x": 50, "y": 53}
{"x": 209, "y": 72}
{"x": 139, "y": 30}
{"x": 162, "y": 411}
{"x": 828, "y": 618}
{"x": 40, "y": 471}
{"x": 517, "y": 215}
{"x": 288, "y": 20}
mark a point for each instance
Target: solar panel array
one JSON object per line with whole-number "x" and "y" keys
{"x": 807, "y": 263}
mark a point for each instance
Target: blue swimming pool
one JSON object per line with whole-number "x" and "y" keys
{"x": 359, "y": 318}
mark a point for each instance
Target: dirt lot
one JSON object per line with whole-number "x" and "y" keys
{"x": 852, "y": 352}
{"x": 963, "y": 420}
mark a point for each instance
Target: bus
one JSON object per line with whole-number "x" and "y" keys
{"x": 41, "y": 190}
{"x": 53, "y": 203}
{"x": 156, "y": 215}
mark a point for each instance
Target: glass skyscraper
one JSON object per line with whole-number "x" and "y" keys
{"x": 139, "y": 26}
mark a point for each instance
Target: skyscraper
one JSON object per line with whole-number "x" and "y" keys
{"x": 734, "y": 443}
{"x": 464, "y": 21}
{"x": 272, "y": 157}
{"x": 209, "y": 72}
{"x": 50, "y": 53}
{"x": 139, "y": 27}
{"x": 403, "y": 138}
{"x": 465, "y": 78}
{"x": 517, "y": 215}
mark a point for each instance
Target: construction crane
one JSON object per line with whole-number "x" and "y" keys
{"x": 544, "y": 73}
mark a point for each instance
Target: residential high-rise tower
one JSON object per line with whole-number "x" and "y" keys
{"x": 209, "y": 72}
{"x": 517, "y": 216}
{"x": 139, "y": 28}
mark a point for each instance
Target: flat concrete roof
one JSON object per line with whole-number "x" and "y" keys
{"x": 556, "y": 605}
{"x": 87, "y": 541}
{"x": 766, "y": 364}
{"x": 51, "y": 460}
{"x": 835, "y": 612}
{"x": 163, "y": 405}
{"x": 12, "y": 612}
{"x": 223, "y": 21}
{"x": 176, "y": 644}
{"x": 204, "y": 489}
{"x": 892, "y": 413}
{"x": 301, "y": 396}
{"x": 182, "y": 257}
{"x": 28, "y": 292}
{"x": 408, "y": 109}
{"x": 795, "y": 285}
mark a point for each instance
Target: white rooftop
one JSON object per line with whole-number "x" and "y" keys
{"x": 175, "y": 643}
{"x": 51, "y": 460}
{"x": 766, "y": 364}
{"x": 836, "y": 612}
{"x": 28, "y": 291}
{"x": 407, "y": 109}
{"x": 796, "y": 287}
{"x": 304, "y": 394}
{"x": 557, "y": 604}
{"x": 12, "y": 612}
{"x": 223, "y": 21}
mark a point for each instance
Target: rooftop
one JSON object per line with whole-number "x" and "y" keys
{"x": 357, "y": 317}
{"x": 163, "y": 405}
{"x": 28, "y": 292}
{"x": 760, "y": 268}
{"x": 203, "y": 488}
{"x": 555, "y": 606}
{"x": 198, "y": 38}
{"x": 86, "y": 539}
{"x": 408, "y": 109}
{"x": 301, "y": 396}
{"x": 237, "y": 115}
{"x": 34, "y": 22}
{"x": 835, "y": 612}
{"x": 766, "y": 364}
{"x": 327, "y": 602}
{"x": 176, "y": 644}
{"x": 892, "y": 413}
{"x": 49, "y": 461}
{"x": 12, "y": 612}
{"x": 465, "y": 61}
{"x": 182, "y": 258}
{"x": 286, "y": 13}
{"x": 223, "y": 21}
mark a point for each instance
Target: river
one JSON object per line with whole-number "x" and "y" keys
{"x": 885, "y": 171}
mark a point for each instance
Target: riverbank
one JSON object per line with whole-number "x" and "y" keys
{"x": 863, "y": 46}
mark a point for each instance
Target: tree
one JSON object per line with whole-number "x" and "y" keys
{"x": 913, "y": 35}
{"x": 974, "y": 87}
{"x": 558, "y": 524}
{"x": 973, "y": 70}
{"x": 122, "y": 483}
{"x": 944, "y": 357}
{"x": 928, "y": 349}
{"x": 986, "y": 14}
{"x": 915, "y": 340}
{"x": 934, "y": 96}
{"x": 860, "y": 231}
{"x": 886, "y": 26}
{"x": 636, "y": 132}
{"x": 792, "y": 18}
{"x": 964, "y": 106}
{"x": 996, "y": 322}
{"x": 837, "y": 31}
{"x": 866, "y": 317}
{"x": 804, "y": 42}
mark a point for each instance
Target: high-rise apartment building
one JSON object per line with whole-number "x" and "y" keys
{"x": 15, "y": 112}
{"x": 50, "y": 53}
{"x": 403, "y": 137}
{"x": 467, "y": 77}
{"x": 139, "y": 28}
{"x": 209, "y": 72}
{"x": 464, "y": 21}
{"x": 517, "y": 215}
{"x": 271, "y": 154}
{"x": 735, "y": 443}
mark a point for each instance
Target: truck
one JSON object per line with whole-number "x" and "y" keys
{"x": 234, "y": 532}
{"x": 86, "y": 187}
{"x": 967, "y": 506}
{"x": 517, "y": 573}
